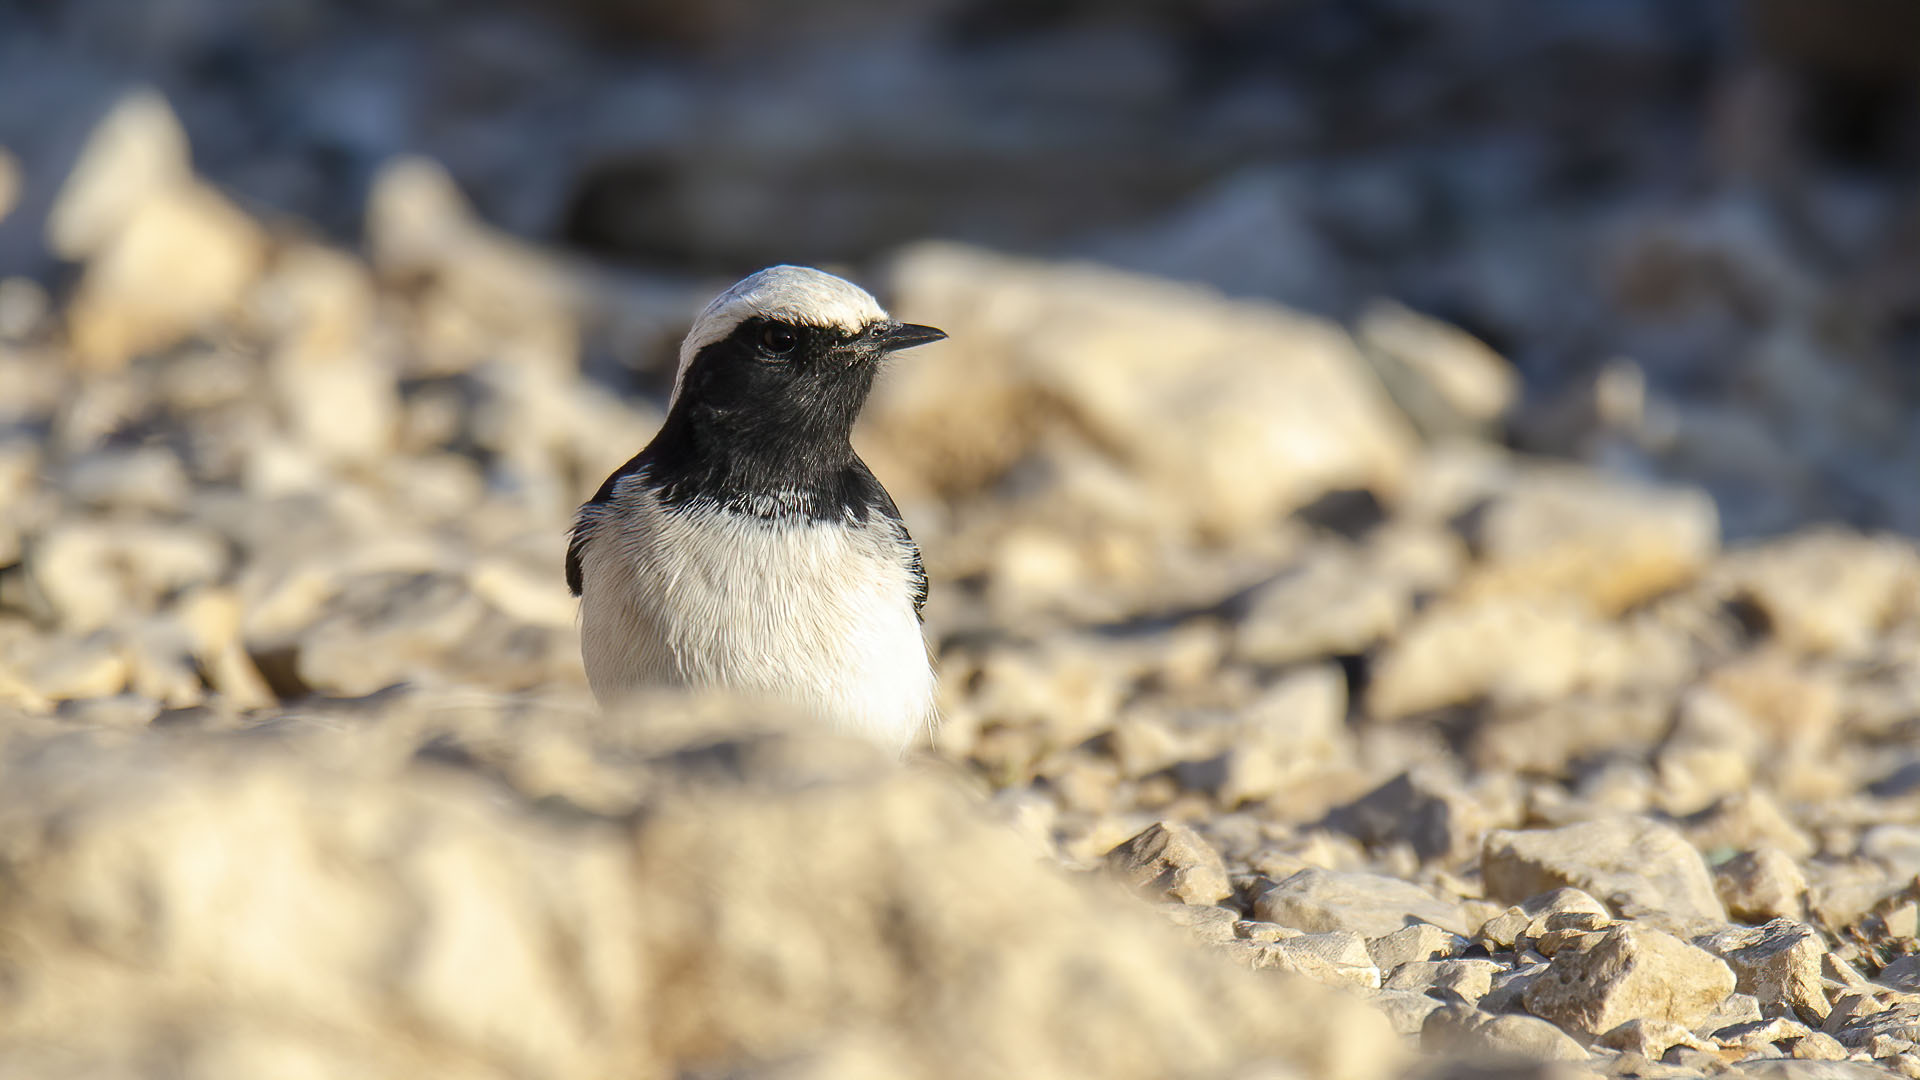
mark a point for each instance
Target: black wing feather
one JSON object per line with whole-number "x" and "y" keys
{"x": 916, "y": 569}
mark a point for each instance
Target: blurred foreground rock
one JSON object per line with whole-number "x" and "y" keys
{"x": 389, "y": 890}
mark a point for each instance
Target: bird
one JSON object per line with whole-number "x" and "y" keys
{"x": 747, "y": 548}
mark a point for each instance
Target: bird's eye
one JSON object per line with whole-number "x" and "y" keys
{"x": 779, "y": 340}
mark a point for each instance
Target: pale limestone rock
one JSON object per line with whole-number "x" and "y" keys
{"x": 1411, "y": 944}
{"x": 137, "y": 150}
{"x": 1515, "y": 651}
{"x": 92, "y": 572}
{"x": 1471, "y": 980}
{"x": 1406, "y": 1010}
{"x": 1170, "y": 860}
{"x": 1817, "y": 1046}
{"x": 1825, "y": 591}
{"x": 1778, "y": 963}
{"x": 1206, "y": 922}
{"x": 1761, "y": 1035}
{"x": 1610, "y": 542}
{"x": 504, "y": 295}
{"x": 35, "y": 673}
{"x": 1369, "y": 904}
{"x": 1445, "y": 378}
{"x": 1631, "y": 973}
{"x": 1423, "y": 808}
{"x": 1737, "y": 1009}
{"x": 382, "y": 629}
{"x": 1255, "y": 410}
{"x": 1290, "y": 731}
{"x": 1510, "y": 987}
{"x": 184, "y": 260}
{"x": 1334, "y": 602}
{"x": 1639, "y": 868}
{"x": 164, "y": 253}
{"x": 426, "y": 912}
{"x": 1336, "y": 958}
{"x": 1650, "y": 1039}
{"x": 147, "y": 478}
{"x": 1761, "y": 884}
{"x": 1466, "y": 1031}
{"x": 330, "y": 373}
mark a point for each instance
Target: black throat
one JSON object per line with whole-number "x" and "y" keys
{"x": 767, "y": 470}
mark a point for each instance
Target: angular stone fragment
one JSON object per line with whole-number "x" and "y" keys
{"x": 1758, "y": 1033}
{"x": 1503, "y": 931}
{"x": 1550, "y": 943}
{"x": 1421, "y": 941}
{"x": 1255, "y": 930}
{"x": 1371, "y": 905}
{"x": 1823, "y": 590}
{"x": 1448, "y": 381}
{"x": 1258, "y": 410}
{"x": 1886, "y": 1049}
{"x": 1895, "y": 1022}
{"x": 1778, "y": 963}
{"x": 1761, "y": 884}
{"x": 1564, "y": 909}
{"x": 1468, "y": 979}
{"x": 1640, "y": 868}
{"x": 1512, "y": 650}
{"x": 1817, "y": 1046}
{"x": 1693, "y": 1064}
{"x": 1850, "y": 1007}
{"x": 1632, "y": 973}
{"x": 1205, "y": 921}
{"x": 1466, "y": 1031}
{"x": 1338, "y": 958}
{"x": 1902, "y": 973}
{"x": 1610, "y": 542}
{"x": 1291, "y": 729}
{"x": 1510, "y": 988}
{"x": 93, "y": 573}
{"x": 1649, "y": 1038}
{"x": 1422, "y": 808}
{"x": 1331, "y": 603}
{"x": 1406, "y": 1010}
{"x": 1168, "y": 860}
{"x": 59, "y": 669}
{"x": 182, "y": 258}
{"x": 1737, "y": 1009}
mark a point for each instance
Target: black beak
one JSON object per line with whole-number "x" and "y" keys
{"x": 892, "y": 337}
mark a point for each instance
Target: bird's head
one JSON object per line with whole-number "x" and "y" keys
{"x": 789, "y": 350}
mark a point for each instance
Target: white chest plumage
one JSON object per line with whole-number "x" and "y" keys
{"x": 816, "y": 614}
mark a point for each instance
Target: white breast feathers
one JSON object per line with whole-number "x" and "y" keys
{"x": 815, "y": 614}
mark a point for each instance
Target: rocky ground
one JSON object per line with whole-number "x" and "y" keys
{"x": 1429, "y": 751}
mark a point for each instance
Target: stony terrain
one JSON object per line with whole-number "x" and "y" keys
{"x": 1235, "y": 607}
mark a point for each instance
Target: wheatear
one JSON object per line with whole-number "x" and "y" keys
{"x": 748, "y": 548}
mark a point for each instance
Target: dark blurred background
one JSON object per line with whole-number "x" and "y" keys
{"x": 1692, "y": 226}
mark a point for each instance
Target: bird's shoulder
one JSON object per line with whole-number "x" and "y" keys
{"x": 588, "y": 516}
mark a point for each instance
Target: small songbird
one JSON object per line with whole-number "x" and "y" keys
{"x": 748, "y": 548}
